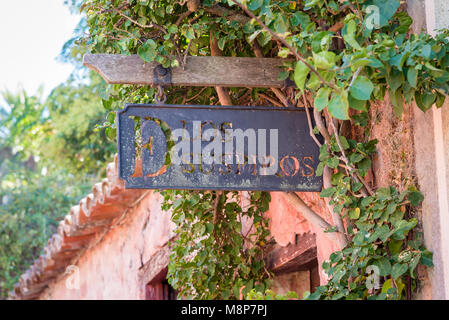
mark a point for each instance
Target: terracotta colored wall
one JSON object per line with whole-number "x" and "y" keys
{"x": 286, "y": 222}
{"x": 110, "y": 269}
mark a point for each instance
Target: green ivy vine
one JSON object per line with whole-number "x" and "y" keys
{"x": 379, "y": 229}
{"x": 346, "y": 54}
{"x": 213, "y": 258}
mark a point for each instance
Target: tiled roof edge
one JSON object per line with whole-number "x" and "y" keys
{"x": 93, "y": 215}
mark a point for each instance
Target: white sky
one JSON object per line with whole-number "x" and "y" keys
{"x": 32, "y": 33}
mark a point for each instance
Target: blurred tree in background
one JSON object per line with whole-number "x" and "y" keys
{"x": 71, "y": 140}
{"x": 52, "y": 149}
{"x": 32, "y": 203}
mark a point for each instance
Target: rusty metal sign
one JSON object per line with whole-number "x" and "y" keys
{"x": 215, "y": 147}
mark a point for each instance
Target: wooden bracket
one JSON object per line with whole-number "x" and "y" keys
{"x": 204, "y": 71}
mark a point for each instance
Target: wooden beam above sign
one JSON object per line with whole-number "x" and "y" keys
{"x": 203, "y": 71}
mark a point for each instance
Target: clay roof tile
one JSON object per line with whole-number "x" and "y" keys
{"x": 108, "y": 200}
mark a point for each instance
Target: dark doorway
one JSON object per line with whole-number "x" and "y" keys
{"x": 159, "y": 288}
{"x": 160, "y": 291}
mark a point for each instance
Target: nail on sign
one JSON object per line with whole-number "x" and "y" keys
{"x": 208, "y": 147}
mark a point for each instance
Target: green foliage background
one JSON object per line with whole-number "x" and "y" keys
{"x": 52, "y": 150}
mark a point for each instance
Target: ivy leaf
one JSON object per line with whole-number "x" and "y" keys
{"x": 383, "y": 232}
{"x": 362, "y": 88}
{"x": 405, "y": 21}
{"x": 384, "y": 193}
{"x": 284, "y": 52}
{"x": 147, "y": 52}
{"x": 255, "y": 4}
{"x": 359, "y": 63}
{"x": 375, "y": 63}
{"x": 264, "y": 38}
{"x": 428, "y": 99}
{"x": 314, "y": 82}
{"x": 324, "y": 59}
{"x": 281, "y": 24}
{"x": 398, "y": 60}
{"x": 391, "y": 207}
{"x": 356, "y": 157}
{"x": 209, "y": 227}
{"x": 254, "y": 35}
{"x": 321, "y": 41}
{"x": 322, "y": 98}
{"x": 326, "y": 193}
{"x": 283, "y": 75}
{"x": 357, "y": 104}
{"x": 173, "y": 28}
{"x": 381, "y": 11}
{"x": 300, "y": 75}
{"x": 412, "y": 77}
{"x": 415, "y": 198}
{"x": 387, "y": 286}
{"x": 395, "y": 79}
{"x": 397, "y": 101}
{"x": 107, "y": 104}
{"x": 395, "y": 246}
{"x": 339, "y": 105}
{"x": 364, "y": 165}
{"x": 419, "y": 102}
{"x": 221, "y": 43}
{"x": 384, "y": 266}
{"x": 426, "y": 51}
{"x": 349, "y": 32}
{"x": 248, "y": 27}
{"x": 427, "y": 258}
{"x": 344, "y": 142}
{"x": 311, "y": 3}
{"x": 398, "y": 270}
{"x": 430, "y": 67}
{"x": 402, "y": 227}
{"x": 320, "y": 169}
{"x": 226, "y": 294}
{"x": 354, "y": 213}
{"x": 111, "y": 133}
{"x": 413, "y": 264}
{"x": 190, "y": 34}
{"x": 440, "y": 100}
{"x": 300, "y": 18}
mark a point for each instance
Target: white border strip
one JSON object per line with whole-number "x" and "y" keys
{"x": 441, "y": 172}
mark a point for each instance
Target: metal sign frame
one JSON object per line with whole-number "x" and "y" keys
{"x": 297, "y": 153}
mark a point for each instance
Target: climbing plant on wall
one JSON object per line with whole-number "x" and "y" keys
{"x": 347, "y": 54}
{"x": 212, "y": 256}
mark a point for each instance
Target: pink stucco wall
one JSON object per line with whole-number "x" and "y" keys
{"x": 110, "y": 268}
{"x": 286, "y": 222}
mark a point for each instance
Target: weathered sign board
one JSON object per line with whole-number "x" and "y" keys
{"x": 208, "y": 147}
